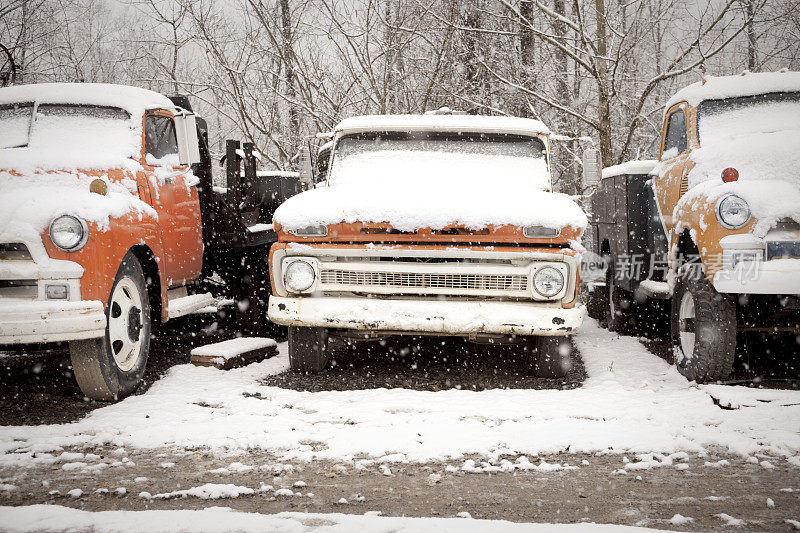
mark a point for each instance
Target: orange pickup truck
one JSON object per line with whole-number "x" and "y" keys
{"x": 432, "y": 225}
{"x": 108, "y": 218}
{"x": 713, "y": 226}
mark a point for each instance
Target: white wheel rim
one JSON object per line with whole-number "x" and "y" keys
{"x": 612, "y": 307}
{"x": 686, "y": 324}
{"x": 124, "y": 309}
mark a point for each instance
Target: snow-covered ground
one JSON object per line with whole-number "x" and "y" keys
{"x": 57, "y": 518}
{"x": 632, "y": 402}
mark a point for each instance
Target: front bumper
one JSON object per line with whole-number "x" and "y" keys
{"x": 443, "y": 317}
{"x": 29, "y": 322}
{"x": 777, "y": 276}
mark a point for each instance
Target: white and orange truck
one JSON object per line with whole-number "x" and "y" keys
{"x": 712, "y": 228}
{"x": 436, "y": 224}
{"x": 109, "y": 219}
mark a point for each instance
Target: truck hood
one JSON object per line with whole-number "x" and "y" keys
{"x": 434, "y": 207}
{"x": 30, "y": 201}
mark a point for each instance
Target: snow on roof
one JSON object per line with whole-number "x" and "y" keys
{"x": 134, "y": 100}
{"x": 745, "y": 84}
{"x": 450, "y": 123}
{"x": 630, "y": 167}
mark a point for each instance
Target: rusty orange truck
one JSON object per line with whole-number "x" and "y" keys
{"x": 108, "y": 219}
{"x": 439, "y": 224}
{"x": 712, "y": 228}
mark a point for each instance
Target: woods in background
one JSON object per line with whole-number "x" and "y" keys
{"x": 274, "y": 70}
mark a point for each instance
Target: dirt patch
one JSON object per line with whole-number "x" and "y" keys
{"x": 595, "y": 492}
{"x": 426, "y": 363}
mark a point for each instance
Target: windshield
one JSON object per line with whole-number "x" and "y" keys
{"x": 66, "y": 135}
{"x": 401, "y": 157}
{"x": 748, "y": 115}
{"x": 15, "y": 124}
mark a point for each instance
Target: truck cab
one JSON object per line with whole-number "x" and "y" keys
{"x": 107, "y": 219}
{"x": 718, "y": 219}
{"x": 432, "y": 225}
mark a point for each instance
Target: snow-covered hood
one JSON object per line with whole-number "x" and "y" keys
{"x": 435, "y": 207}
{"x": 30, "y": 201}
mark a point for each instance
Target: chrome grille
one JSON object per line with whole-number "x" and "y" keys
{"x": 19, "y": 288}
{"x": 400, "y": 280}
{"x": 14, "y": 251}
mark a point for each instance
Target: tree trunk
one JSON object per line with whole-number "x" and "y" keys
{"x": 527, "y": 54}
{"x": 603, "y": 88}
{"x": 23, "y": 43}
{"x": 288, "y": 71}
{"x": 752, "y": 51}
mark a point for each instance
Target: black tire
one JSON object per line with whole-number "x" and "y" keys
{"x": 308, "y": 349}
{"x": 713, "y": 325}
{"x": 596, "y": 304}
{"x": 548, "y": 357}
{"x": 101, "y": 367}
{"x": 619, "y": 305}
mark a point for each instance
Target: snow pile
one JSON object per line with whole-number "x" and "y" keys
{"x": 57, "y": 518}
{"x": 522, "y": 463}
{"x": 209, "y": 491}
{"x": 233, "y": 347}
{"x": 436, "y": 205}
{"x": 680, "y": 520}
{"x": 643, "y": 166}
{"x": 731, "y": 521}
{"x": 627, "y": 405}
{"x": 747, "y": 84}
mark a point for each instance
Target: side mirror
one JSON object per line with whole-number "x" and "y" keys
{"x": 188, "y": 144}
{"x": 306, "y": 166}
{"x": 592, "y": 167}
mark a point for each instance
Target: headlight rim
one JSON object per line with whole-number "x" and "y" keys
{"x": 315, "y": 276}
{"x": 84, "y": 233}
{"x": 538, "y": 271}
{"x": 722, "y": 221}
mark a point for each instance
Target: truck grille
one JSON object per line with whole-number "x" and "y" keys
{"x": 18, "y": 251}
{"x": 19, "y": 288}
{"x": 411, "y": 280}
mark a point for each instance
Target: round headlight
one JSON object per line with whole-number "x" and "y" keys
{"x": 733, "y": 212}
{"x": 548, "y": 281}
{"x": 68, "y": 233}
{"x": 299, "y": 276}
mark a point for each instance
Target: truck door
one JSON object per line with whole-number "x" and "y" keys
{"x": 173, "y": 194}
{"x": 670, "y": 184}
